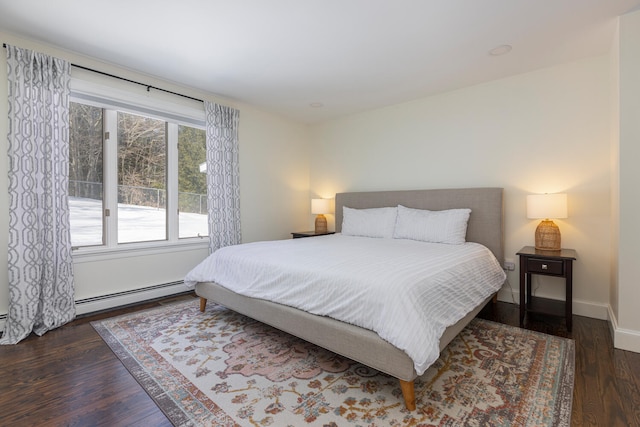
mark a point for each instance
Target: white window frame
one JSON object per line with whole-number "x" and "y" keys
{"x": 112, "y": 96}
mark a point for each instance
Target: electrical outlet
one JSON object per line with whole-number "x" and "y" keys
{"x": 509, "y": 265}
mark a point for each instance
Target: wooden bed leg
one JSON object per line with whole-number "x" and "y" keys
{"x": 409, "y": 394}
{"x": 203, "y": 304}
{"x": 495, "y": 298}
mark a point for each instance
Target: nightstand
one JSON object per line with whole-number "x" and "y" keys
{"x": 300, "y": 234}
{"x": 547, "y": 263}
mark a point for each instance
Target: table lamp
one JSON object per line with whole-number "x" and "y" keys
{"x": 547, "y": 207}
{"x": 320, "y": 207}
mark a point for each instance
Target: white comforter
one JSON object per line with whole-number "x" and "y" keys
{"x": 408, "y": 292}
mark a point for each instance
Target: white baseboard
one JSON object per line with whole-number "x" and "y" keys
{"x": 624, "y": 339}
{"x": 580, "y": 308}
{"x": 105, "y": 302}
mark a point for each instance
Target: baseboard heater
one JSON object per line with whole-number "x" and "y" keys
{"x": 133, "y": 296}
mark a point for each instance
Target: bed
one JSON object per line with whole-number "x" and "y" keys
{"x": 485, "y": 227}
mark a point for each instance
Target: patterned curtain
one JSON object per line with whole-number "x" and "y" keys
{"x": 223, "y": 176}
{"x": 41, "y": 290}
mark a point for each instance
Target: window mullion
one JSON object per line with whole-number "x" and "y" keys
{"x": 172, "y": 182}
{"x": 111, "y": 177}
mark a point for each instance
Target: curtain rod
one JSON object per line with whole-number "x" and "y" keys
{"x": 149, "y": 87}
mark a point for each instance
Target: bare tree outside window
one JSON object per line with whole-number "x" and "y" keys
{"x": 142, "y": 177}
{"x": 86, "y": 174}
{"x": 192, "y": 182}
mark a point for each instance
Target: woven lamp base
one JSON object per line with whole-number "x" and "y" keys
{"x": 321, "y": 224}
{"x": 548, "y": 236}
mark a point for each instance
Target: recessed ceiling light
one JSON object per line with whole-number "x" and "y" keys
{"x": 316, "y": 104}
{"x": 500, "y": 50}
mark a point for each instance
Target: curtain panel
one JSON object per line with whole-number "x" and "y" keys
{"x": 41, "y": 287}
{"x": 223, "y": 175}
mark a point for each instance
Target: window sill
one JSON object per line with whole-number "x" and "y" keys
{"x": 101, "y": 253}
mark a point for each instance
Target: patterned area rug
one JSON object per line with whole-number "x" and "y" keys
{"x": 220, "y": 368}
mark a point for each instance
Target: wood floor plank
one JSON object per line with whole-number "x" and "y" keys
{"x": 593, "y": 406}
{"x": 70, "y": 377}
{"x": 627, "y": 368}
{"x": 612, "y": 411}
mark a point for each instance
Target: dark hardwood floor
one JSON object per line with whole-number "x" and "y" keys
{"x": 70, "y": 377}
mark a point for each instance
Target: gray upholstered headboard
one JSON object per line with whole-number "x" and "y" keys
{"x": 486, "y": 204}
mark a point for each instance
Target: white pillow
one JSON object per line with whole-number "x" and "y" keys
{"x": 374, "y": 222}
{"x": 447, "y": 226}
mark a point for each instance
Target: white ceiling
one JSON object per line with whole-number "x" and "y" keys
{"x": 349, "y": 55}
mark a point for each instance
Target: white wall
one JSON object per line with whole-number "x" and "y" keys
{"x": 615, "y": 175}
{"x": 544, "y": 131}
{"x": 625, "y": 313}
{"x": 274, "y": 189}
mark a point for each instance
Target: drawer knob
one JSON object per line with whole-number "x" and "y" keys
{"x": 544, "y": 266}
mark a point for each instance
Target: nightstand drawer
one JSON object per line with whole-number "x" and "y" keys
{"x": 544, "y": 266}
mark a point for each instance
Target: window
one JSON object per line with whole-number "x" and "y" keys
{"x": 134, "y": 178}
{"x": 142, "y": 178}
{"x": 85, "y": 174}
{"x": 192, "y": 182}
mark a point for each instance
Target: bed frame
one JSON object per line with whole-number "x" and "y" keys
{"x": 359, "y": 344}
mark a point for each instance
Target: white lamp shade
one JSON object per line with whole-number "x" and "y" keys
{"x": 320, "y": 206}
{"x": 547, "y": 206}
